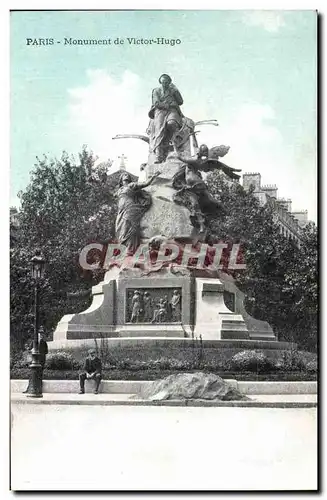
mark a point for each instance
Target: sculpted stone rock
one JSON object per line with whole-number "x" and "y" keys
{"x": 164, "y": 216}
{"x": 192, "y": 386}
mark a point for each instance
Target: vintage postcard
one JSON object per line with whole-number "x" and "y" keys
{"x": 163, "y": 250}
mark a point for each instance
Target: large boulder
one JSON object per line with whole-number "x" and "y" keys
{"x": 191, "y": 386}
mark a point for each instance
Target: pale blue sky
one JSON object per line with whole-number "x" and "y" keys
{"x": 254, "y": 71}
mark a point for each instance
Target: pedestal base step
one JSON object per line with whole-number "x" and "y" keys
{"x": 170, "y": 342}
{"x": 152, "y": 331}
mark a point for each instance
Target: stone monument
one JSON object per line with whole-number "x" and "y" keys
{"x": 170, "y": 300}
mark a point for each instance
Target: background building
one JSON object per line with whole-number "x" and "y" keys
{"x": 290, "y": 223}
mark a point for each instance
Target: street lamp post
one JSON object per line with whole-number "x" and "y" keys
{"x": 35, "y": 387}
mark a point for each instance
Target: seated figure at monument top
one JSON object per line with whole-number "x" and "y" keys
{"x": 165, "y": 116}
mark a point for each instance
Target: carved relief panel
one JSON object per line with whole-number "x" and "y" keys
{"x": 153, "y": 305}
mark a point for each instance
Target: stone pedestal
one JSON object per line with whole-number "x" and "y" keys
{"x": 213, "y": 320}
{"x": 165, "y": 217}
{"x": 96, "y": 321}
{"x": 167, "y": 168}
{"x": 258, "y": 330}
{"x": 203, "y": 310}
{"x": 110, "y": 314}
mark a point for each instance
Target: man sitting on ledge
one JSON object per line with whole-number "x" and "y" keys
{"x": 92, "y": 370}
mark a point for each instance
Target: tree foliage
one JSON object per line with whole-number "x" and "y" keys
{"x": 68, "y": 204}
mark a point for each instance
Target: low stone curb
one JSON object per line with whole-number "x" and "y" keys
{"x": 134, "y": 387}
{"x": 267, "y": 387}
{"x": 21, "y": 399}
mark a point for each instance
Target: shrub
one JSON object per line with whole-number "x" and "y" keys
{"x": 20, "y": 373}
{"x": 19, "y": 360}
{"x": 61, "y": 361}
{"x": 255, "y": 361}
{"x": 312, "y": 366}
{"x": 162, "y": 363}
{"x": 104, "y": 351}
{"x": 292, "y": 360}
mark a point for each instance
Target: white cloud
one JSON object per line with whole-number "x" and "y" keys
{"x": 104, "y": 108}
{"x": 254, "y": 139}
{"x": 270, "y": 20}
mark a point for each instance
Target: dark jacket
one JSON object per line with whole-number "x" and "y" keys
{"x": 43, "y": 347}
{"x": 43, "y": 350}
{"x": 93, "y": 365}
